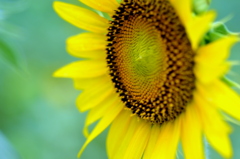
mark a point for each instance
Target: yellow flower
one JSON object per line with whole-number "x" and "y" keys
{"x": 146, "y": 76}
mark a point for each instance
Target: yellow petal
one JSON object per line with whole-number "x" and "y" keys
{"x": 167, "y": 141}
{"x": 99, "y": 111}
{"x": 96, "y": 54}
{"x": 216, "y": 52}
{"x": 117, "y": 132}
{"x": 82, "y": 69}
{"x": 223, "y": 97}
{"x": 191, "y": 134}
{"x": 155, "y": 131}
{"x": 86, "y": 83}
{"x": 111, "y": 114}
{"x": 139, "y": 141}
{"x": 87, "y": 45}
{"x": 93, "y": 96}
{"x": 210, "y": 117}
{"x": 220, "y": 142}
{"x": 125, "y": 141}
{"x": 107, "y": 6}
{"x": 208, "y": 73}
{"x": 81, "y": 17}
{"x": 215, "y": 129}
{"x": 198, "y": 26}
{"x": 183, "y": 9}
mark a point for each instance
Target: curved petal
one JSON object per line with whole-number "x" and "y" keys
{"x": 216, "y": 52}
{"x": 87, "y": 42}
{"x": 81, "y": 17}
{"x": 111, "y": 114}
{"x": 220, "y": 95}
{"x": 215, "y": 129}
{"x": 138, "y": 141}
{"x": 93, "y": 96}
{"x": 155, "y": 131}
{"x": 198, "y": 26}
{"x": 99, "y": 111}
{"x": 107, "y": 6}
{"x": 117, "y": 132}
{"x": 126, "y": 139}
{"x": 86, "y": 83}
{"x": 87, "y": 45}
{"x": 88, "y": 55}
{"x": 220, "y": 142}
{"x": 82, "y": 69}
{"x": 209, "y": 73}
{"x": 191, "y": 134}
{"x": 183, "y": 9}
{"x": 167, "y": 141}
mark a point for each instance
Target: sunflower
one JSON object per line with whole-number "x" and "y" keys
{"x": 151, "y": 73}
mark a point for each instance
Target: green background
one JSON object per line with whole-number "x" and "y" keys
{"x": 38, "y": 116}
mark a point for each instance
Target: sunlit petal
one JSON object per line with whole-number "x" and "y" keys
{"x": 81, "y": 17}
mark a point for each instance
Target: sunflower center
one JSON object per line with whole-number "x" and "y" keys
{"x": 142, "y": 49}
{"x": 150, "y": 59}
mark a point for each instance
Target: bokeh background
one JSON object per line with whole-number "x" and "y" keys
{"x": 38, "y": 116}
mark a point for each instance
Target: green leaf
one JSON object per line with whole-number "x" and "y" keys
{"x": 218, "y": 31}
{"x": 213, "y": 36}
{"x": 230, "y": 83}
{"x": 8, "y": 53}
{"x": 221, "y": 28}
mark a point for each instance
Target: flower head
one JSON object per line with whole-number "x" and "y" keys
{"x": 151, "y": 75}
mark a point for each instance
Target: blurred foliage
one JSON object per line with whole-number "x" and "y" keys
{"x": 38, "y": 116}
{"x": 9, "y": 32}
{"x": 201, "y": 6}
{"x": 7, "y": 52}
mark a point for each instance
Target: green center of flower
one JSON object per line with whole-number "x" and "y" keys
{"x": 151, "y": 60}
{"x": 142, "y": 57}
{"x": 143, "y": 49}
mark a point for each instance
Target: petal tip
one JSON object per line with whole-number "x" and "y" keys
{"x": 57, "y": 5}
{"x": 60, "y": 73}
{"x": 57, "y": 73}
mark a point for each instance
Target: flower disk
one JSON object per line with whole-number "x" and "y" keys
{"x": 150, "y": 59}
